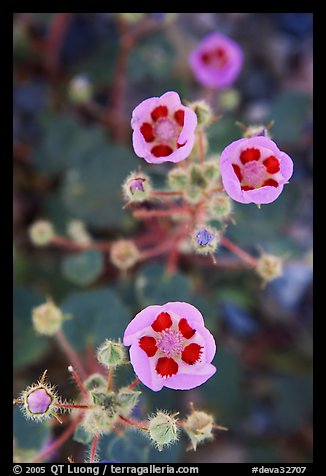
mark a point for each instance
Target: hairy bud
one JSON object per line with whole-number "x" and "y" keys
{"x": 80, "y": 89}
{"x": 205, "y": 240}
{"x": 203, "y": 112}
{"x": 137, "y": 187}
{"x": 177, "y": 179}
{"x": 41, "y": 233}
{"x": 111, "y": 354}
{"x": 199, "y": 427}
{"x": 124, "y": 254}
{"x": 77, "y": 231}
{"x": 47, "y": 318}
{"x": 95, "y": 381}
{"x": 163, "y": 429}
{"x": 127, "y": 400}
{"x": 219, "y": 207}
{"x": 269, "y": 267}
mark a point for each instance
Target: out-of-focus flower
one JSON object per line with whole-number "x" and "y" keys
{"x": 163, "y": 129}
{"x": 41, "y": 233}
{"x": 137, "y": 187}
{"x": 217, "y": 61}
{"x": 170, "y": 346}
{"x": 254, "y": 170}
{"x": 124, "y": 254}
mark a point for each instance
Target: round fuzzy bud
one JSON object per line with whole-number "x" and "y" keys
{"x": 205, "y": 240}
{"x": 47, "y": 318}
{"x": 256, "y": 131}
{"x": 77, "y": 231}
{"x": 269, "y": 267}
{"x": 98, "y": 421}
{"x": 124, "y": 254}
{"x": 163, "y": 429}
{"x": 199, "y": 427}
{"x": 219, "y": 207}
{"x": 111, "y": 354}
{"x": 41, "y": 233}
{"x": 127, "y": 400}
{"x": 211, "y": 170}
{"x": 203, "y": 112}
{"x": 95, "y": 381}
{"x": 80, "y": 89}
{"x": 229, "y": 99}
{"x": 137, "y": 187}
{"x": 38, "y": 401}
{"x": 177, "y": 179}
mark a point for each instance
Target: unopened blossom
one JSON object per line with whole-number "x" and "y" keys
{"x": 170, "y": 346}
{"x": 254, "y": 170}
{"x": 217, "y": 61}
{"x": 163, "y": 129}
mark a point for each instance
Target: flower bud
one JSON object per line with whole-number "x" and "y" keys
{"x": 95, "y": 381}
{"x": 77, "y": 231}
{"x": 269, "y": 267}
{"x": 203, "y": 112}
{"x": 38, "y": 400}
{"x": 229, "y": 99}
{"x": 41, "y": 233}
{"x": 177, "y": 179}
{"x": 219, "y": 207}
{"x": 111, "y": 354}
{"x": 80, "y": 89}
{"x": 124, "y": 254}
{"x": 127, "y": 400}
{"x": 199, "y": 427}
{"x": 256, "y": 131}
{"x": 205, "y": 240}
{"x": 47, "y": 318}
{"x": 104, "y": 400}
{"x": 137, "y": 187}
{"x": 211, "y": 170}
{"x": 98, "y": 421}
{"x": 163, "y": 429}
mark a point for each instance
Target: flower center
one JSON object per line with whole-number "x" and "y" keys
{"x": 254, "y": 173}
{"x": 166, "y": 130}
{"x": 170, "y": 342}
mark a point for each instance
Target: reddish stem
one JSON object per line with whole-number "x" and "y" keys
{"x": 78, "y": 381}
{"x": 72, "y": 356}
{"x": 156, "y": 250}
{"x": 167, "y": 193}
{"x": 134, "y": 383}
{"x": 162, "y": 213}
{"x": 68, "y": 244}
{"x": 238, "y": 251}
{"x": 93, "y": 448}
{"x": 68, "y": 405}
{"x": 134, "y": 423}
{"x": 59, "y": 441}
{"x": 55, "y": 37}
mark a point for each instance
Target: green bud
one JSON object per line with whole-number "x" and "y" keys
{"x": 124, "y": 254}
{"x": 211, "y": 171}
{"x": 77, "y": 231}
{"x": 47, "y": 318}
{"x": 137, "y": 187}
{"x": 111, "y": 354}
{"x": 107, "y": 401}
{"x": 95, "y": 381}
{"x": 98, "y": 421}
{"x": 80, "y": 89}
{"x": 127, "y": 400}
{"x": 163, "y": 429}
{"x": 41, "y": 233}
{"x": 199, "y": 427}
{"x": 203, "y": 112}
{"x": 229, "y": 99}
{"x": 269, "y": 267}
{"x": 177, "y": 179}
{"x": 219, "y": 207}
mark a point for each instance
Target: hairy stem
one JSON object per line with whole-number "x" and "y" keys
{"x": 238, "y": 251}
{"x": 132, "y": 422}
{"x": 78, "y": 381}
{"x": 72, "y": 356}
{"x": 93, "y": 448}
{"x": 134, "y": 383}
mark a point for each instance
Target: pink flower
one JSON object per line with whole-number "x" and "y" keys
{"x": 38, "y": 401}
{"x": 254, "y": 170}
{"x": 217, "y": 61}
{"x": 163, "y": 129}
{"x": 170, "y": 347}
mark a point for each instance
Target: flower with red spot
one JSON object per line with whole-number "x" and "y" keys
{"x": 170, "y": 347}
{"x": 217, "y": 61}
{"x": 163, "y": 129}
{"x": 254, "y": 170}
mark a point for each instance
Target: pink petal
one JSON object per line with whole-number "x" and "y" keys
{"x": 189, "y": 381}
{"x": 183, "y": 309}
{"x": 142, "y": 320}
{"x": 143, "y": 370}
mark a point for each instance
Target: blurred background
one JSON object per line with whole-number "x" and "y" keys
{"x": 77, "y": 78}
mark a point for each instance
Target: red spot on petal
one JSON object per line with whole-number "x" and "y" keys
{"x": 220, "y": 52}
{"x": 206, "y": 58}
{"x": 249, "y": 154}
{"x": 179, "y": 116}
{"x": 181, "y": 145}
{"x": 148, "y": 345}
{"x": 162, "y": 322}
{"x": 166, "y": 367}
{"x": 245, "y": 188}
{"x": 191, "y": 353}
{"x": 147, "y": 132}
{"x": 237, "y": 171}
{"x": 161, "y": 150}
{"x": 185, "y": 329}
{"x": 271, "y": 182}
{"x": 159, "y": 111}
{"x": 272, "y": 164}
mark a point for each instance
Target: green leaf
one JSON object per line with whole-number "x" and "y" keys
{"x": 290, "y": 112}
{"x": 96, "y": 315}
{"x": 28, "y": 346}
{"x": 83, "y": 268}
{"x": 27, "y": 433}
{"x": 153, "y": 286}
{"x": 92, "y": 188}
